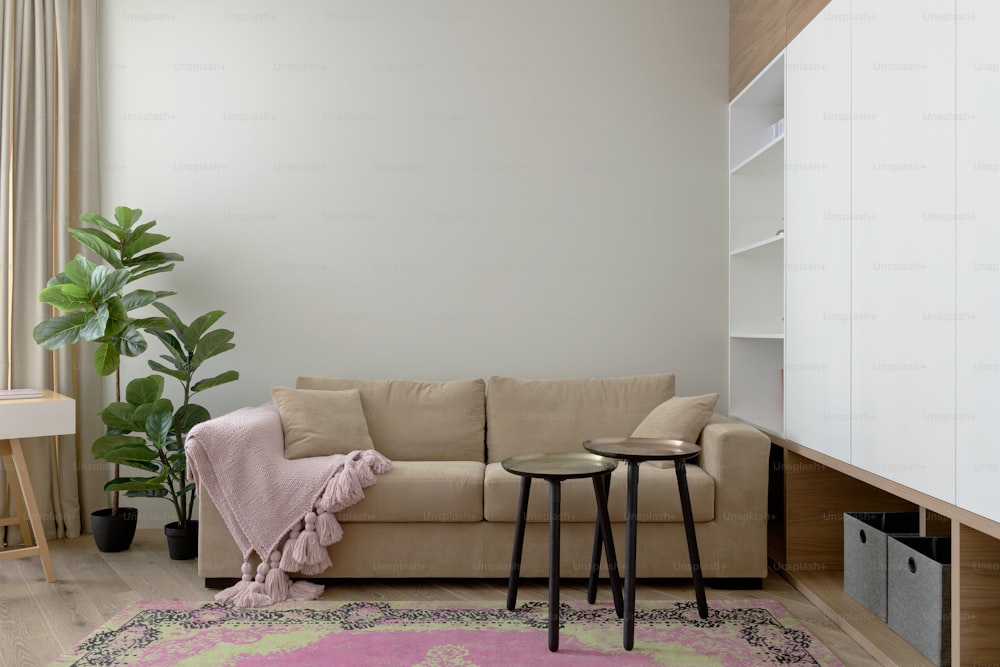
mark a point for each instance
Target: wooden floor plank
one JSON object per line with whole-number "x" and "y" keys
{"x": 41, "y": 621}
{"x": 20, "y": 617}
{"x": 67, "y": 605}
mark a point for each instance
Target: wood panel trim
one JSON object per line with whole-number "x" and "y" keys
{"x": 956, "y": 593}
{"x": 978, "y": 615}
{"x": 759, "y": 30}
{"x": 937, "y": 505}
{"x": 756, "y": 36}
{"x": 816, "y": 498}
{"x": 799, "y": 13}
{"x": 826, "y": 591}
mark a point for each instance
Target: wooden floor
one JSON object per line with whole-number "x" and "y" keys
{"x": 40, "y": 621}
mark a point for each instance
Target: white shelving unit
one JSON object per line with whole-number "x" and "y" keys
{"x": 903, "y": 256}
{"x": 978, "y": 273}
{"x": 818, "y": 316}
{"x": 757, "y": 250}
{"x": 887, "y": 353}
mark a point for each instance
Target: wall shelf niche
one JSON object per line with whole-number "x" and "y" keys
{"x": 757, "y": 249}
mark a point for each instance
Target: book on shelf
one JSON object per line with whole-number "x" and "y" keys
{"x": 8, "y": 394}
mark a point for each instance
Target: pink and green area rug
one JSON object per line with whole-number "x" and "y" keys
{"x": 440, "y": 634}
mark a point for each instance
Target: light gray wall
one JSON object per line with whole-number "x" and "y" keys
{"x": 431, "y": 190}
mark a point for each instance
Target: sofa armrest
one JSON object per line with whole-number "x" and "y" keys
{"x": 736, "y": 456}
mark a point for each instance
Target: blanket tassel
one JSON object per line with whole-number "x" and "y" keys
{"x": 302, "y": 591}
{"x": 377, "y": 462}
{"x": 344, "y": 488}
{"x": 327, "y": 527}
{"x": 312, "y": 556}
{"x": 276, "y": 581}
{"x": 245, "y": 593}
{"x": 254, "y": 595}
{"x": 288, "y": 562}
{"x": 364, "y": 473}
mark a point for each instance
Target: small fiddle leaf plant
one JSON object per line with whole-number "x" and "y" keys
{"x": 146, "y": 432}
{"x": 93, "y": 298}
{"x": 144, "y": 411}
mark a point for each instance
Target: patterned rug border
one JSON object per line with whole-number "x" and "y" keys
{"x": 763, "y": 624}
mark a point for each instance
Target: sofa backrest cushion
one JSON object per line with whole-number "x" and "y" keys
{"x": 544, "y": 416}
{"x": 409, "y": 420}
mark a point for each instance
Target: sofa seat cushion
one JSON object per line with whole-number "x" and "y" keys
{"x": 659, "y": 501}
{"x": 410, "y": 420}
{"x": 548, "y": 416}
{"x": 422, "y": 491}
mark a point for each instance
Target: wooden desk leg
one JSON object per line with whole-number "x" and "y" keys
{"x": 15, "y": 494}
{"x": 34, "y": 516}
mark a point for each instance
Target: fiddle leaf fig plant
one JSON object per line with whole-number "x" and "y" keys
{"x": 93, "y": 299}
{"x": 92, "y": 295}
{"x": 146, "y": 432}
{"x": 143, "y": 411}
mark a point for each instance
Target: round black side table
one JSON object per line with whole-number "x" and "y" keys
{"x": 634, "y": 451}
{"x": 554, "y": 468}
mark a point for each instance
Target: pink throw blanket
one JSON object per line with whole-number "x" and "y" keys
{"x": 280, "y": 509}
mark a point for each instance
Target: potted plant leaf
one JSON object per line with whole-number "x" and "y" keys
{"x": 146, "y": 432}
{"x": 96, "y": 307}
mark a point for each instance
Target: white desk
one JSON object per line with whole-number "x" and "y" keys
{"x": 52, "y": 414}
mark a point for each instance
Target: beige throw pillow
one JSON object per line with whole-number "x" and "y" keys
{"x": 320, "y": 423}
{"x": 678, "y": 418}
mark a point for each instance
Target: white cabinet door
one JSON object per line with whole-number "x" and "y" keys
{"x": 818, "y": 233}
{"x": 903, "y": 242}
{"x": 978, "y": 257}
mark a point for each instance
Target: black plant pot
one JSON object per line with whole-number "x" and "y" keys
{"x": 114, "y": 533}
{"x": 182, "y": 541}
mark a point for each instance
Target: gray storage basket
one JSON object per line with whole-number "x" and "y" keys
{"x": 866, "y": 554}
{"x": 920, "y": 594}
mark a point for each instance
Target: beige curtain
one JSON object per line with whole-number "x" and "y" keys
{"x": 48, "y": 177}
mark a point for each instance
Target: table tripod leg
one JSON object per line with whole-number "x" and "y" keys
{"x": 595, "y": 554}
{"x": 601, "y": 487}
{"x": 515, "y": 559}
{"x": 692, "y": 540}
{"x": 631, "y": 516}
{"x": 555, "y": 507}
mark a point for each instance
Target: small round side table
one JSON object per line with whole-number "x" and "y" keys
{"x": 634, "y": 451}
{"x": 555, "y": 468}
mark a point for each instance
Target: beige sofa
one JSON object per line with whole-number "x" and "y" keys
{"x": 447, "y": 508}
